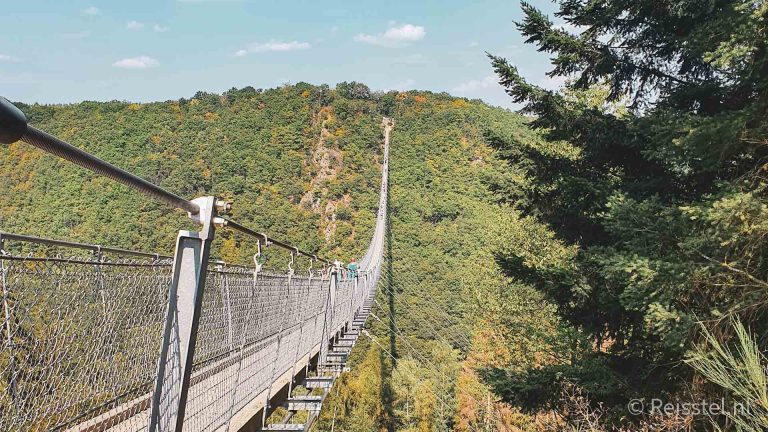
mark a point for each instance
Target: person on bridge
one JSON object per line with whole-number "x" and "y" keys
{"x": 352, "y": 269}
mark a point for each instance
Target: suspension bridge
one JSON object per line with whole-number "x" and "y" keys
{"x": 96, "y": 338}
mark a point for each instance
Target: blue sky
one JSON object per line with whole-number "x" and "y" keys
{"x": 54, "y": 51}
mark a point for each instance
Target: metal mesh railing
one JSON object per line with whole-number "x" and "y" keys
{"x": 80, "y": 338}
{"x": 253, "y": 329}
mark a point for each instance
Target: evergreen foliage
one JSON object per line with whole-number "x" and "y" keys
{"x": 650, "y": 177}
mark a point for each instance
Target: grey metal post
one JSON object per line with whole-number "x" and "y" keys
{"x": 328, "y": 330}
{"x": 227, "y": 301}
{"x": 355, "y": 295}
{"x": 349, "y": 316}
{"x": 302, "y": 320}
{"x": 283, "y": 319}
{"x": 190, "y": 267}
{"x": 315, "y": 326}
{"x": 334, "y": 288}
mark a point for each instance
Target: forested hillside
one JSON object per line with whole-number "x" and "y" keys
{"x": 299, "y": 162}
{"x": 446, "y": 228}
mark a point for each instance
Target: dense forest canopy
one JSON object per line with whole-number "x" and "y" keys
{"x": 285, "y": 156}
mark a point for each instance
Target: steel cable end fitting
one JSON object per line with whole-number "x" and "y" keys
{"x": 223, "y": 207}
{"x": 13, "y": 122}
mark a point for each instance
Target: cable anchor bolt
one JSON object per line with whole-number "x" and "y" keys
{"x": 223, "y": 207}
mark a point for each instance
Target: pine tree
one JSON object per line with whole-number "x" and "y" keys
{"x": 652, "y": 164}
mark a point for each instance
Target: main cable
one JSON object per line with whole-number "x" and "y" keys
{"x": 442, "y": 401}
{"x": 424, "y": 360}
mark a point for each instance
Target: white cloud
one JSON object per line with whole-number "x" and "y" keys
{"x": 280, "y": 46}
{"x": 553, "y": 83}
{"x": 394, "y": 36}
{"x": 473, "y": 44}
{"x": 92, "y": 10}
{"x": 273, "y": 46}
{"x": 160, "y": 29}
{"x": 140, "y": 62}
{"x": 472, "y": 86}
{"x": 134, "y": 25}
{"x": 7, "y": 58}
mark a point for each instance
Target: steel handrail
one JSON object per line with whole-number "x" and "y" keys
{"x": 92, "y": 247}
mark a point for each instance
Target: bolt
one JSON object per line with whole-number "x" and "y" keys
{"x": 223, "y": 206}
{"x": 219, "y": 222}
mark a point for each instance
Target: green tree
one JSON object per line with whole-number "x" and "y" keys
{"x": 353, "y": 90}
{"x": 651, "y": 164}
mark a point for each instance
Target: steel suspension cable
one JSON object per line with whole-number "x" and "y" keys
{"x": 434, "y": 305}
{"x": 442, "y": 401}
{"x": 403, "y": 304}
{"x": 400, "y": 334}
{"x": 412, "y": 308}
{"x": 434, "y": 332}
{"x": 424, "y": 359}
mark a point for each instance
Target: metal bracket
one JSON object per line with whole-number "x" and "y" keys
{"x": 290, "y": 265}
{"x": 207, "y": 214}
{"x": 190, "y": 267}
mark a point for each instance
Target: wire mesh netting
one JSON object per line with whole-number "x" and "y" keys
{"x": 253, "y": 328}
{"x": 80, "y": 338}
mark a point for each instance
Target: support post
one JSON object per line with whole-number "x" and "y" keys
{"x": 190, "y": 267}
{"x": 300, "y": 343}
{"x": 349, "y": 315}
{"x": 283, "y": 319}
{"x": 328, "y": 329}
